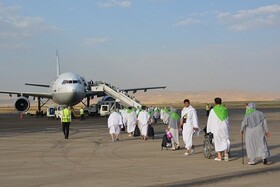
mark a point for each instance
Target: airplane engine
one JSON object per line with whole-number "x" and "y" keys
{"x": 22, "y": 104}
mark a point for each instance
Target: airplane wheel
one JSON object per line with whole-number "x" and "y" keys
{"x": 86, "y": 113}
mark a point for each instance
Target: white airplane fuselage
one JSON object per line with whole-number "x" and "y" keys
{"x": 68, "y": 89}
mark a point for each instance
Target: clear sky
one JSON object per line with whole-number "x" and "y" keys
{"x": 186, "y": 45}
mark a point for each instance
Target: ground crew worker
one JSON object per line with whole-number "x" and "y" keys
{"x": 65, "y": 121}
{"x": 82, "y": 114}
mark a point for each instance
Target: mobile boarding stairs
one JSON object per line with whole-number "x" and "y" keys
{"x": 119, "y": 96}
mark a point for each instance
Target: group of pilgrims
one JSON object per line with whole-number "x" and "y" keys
{"x": 254, "y": 126}
{"x": 129, "y": 118}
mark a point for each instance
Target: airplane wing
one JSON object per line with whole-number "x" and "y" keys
{"x": 39, "y": 85}
{"x": 134, "y": 90}
{"x": 27, "y": 94}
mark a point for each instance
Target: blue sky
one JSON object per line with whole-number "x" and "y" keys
{"x": 183, "y": 44}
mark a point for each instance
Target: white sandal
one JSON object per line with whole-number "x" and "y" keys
{"x": 217, "y": 159}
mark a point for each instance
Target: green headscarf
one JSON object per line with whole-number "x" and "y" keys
{"x": 250, "y": 108}
{"x": 166, "y": 110}
{"x": 221, "y": 112}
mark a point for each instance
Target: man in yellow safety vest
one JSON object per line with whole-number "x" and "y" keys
{"x": 65, "y": 121}
{"x": 82, "y": 114}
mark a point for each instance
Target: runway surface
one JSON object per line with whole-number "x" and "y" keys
{"x": 34, "y": 153}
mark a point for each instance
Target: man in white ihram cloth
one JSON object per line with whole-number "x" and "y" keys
{"x": 189, "y": 123}
{"x": 114, "y": 123}
{"x": 143, "y": 121}
{"x": 218, "y": 124}
{"x": 255, "y": 126}
{"x": 131, "y": 120}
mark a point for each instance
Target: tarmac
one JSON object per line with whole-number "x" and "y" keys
{"x": 33, "y": 152}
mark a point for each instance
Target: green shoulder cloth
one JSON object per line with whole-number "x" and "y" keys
{"x": 174, "y": 115}
{"x": 221, "y": 112}
{"x": 249, "y": 111}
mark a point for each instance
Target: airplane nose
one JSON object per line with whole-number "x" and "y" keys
{"x": 74, "y": 89}
{"x": 76, "y": 95}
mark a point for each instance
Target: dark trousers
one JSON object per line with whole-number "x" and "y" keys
{"x": 65, "y": 129}
{"x": 83, "y": 117}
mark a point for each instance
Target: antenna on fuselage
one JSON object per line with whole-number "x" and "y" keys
{"x": 57, "y": 64}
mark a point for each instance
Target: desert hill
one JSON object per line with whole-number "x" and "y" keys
{"x": 162, "y": 97}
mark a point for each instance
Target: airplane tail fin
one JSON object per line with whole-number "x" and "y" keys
{"x": 57, "y": 64}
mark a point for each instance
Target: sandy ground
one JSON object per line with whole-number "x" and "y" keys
{"x": 34, "y": 153}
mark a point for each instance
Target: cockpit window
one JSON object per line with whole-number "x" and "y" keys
{"x": 71, "y": 82}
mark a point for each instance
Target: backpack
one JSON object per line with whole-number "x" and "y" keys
{"x": 136, "y": 131}
{"x": 151, "y": 132}
{"x": 165, "y": 142}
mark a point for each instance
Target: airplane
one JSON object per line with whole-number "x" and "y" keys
{"x": 68, "y": 89}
